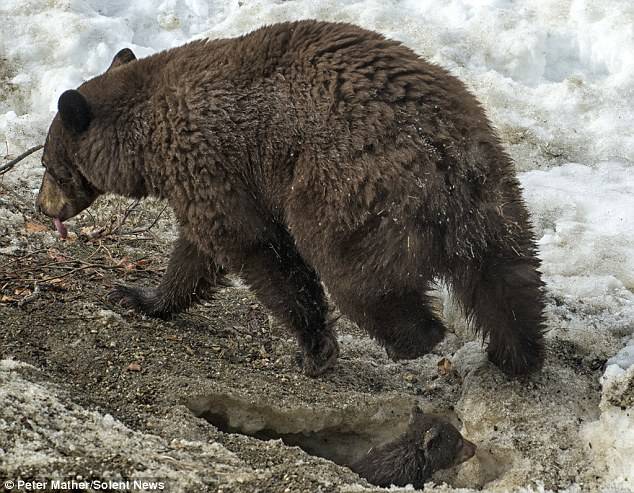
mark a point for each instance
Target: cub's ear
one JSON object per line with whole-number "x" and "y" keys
{"x": 121, "y": 58}
{"x": 432, "y": 438}
{"x": 414, "y": 414}
{"x": 74, "y": 111}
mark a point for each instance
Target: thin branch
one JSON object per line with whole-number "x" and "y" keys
{"x": 126, "y": 214}
{"x": 145, "y": 230}
{"x": 17, "y": 258}
{"x": 6, "y": 167}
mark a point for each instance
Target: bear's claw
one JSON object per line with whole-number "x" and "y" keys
{"x": 142, "y": 300}
{"x": 316, "y": 362}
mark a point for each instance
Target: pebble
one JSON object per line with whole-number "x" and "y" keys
{"x": 410, "y": 378}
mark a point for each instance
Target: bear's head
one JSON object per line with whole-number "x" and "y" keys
{"x": 66, "y": 190}
{"x": 437, "y": 441}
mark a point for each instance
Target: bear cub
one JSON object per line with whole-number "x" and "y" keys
{"x": 428, "y": 445}
{"x": 306, "y": 153}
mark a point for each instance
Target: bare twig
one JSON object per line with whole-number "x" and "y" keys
{"x": 126, "y": 214}
{"x": 51, "y": 278}
{"x": 17, "y": 258}
{"x": 145, "y": 230}
{"x": 6, "y": 167}
{"x": 113, "y": 228}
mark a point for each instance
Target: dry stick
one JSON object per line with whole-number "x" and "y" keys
{"x": 145, "y": 230}
{"x": 107, "y": 231}
{"x": 126, "y": 214}
{"x": 73, "y": 271}
{"x": 17, "y": 258}
{"x": 6, "y": 167}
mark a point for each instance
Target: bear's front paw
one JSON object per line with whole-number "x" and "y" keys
{"x": 316, "y": 361}
{"x": 142, "y": 300}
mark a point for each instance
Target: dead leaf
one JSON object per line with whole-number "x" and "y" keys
{"x": 35, "y": 227}
{"x": 92, "y": 231}
{"x": 56, "y": 255}
{"x": 445, "y": 367}
{"x": 134, "y": 367}
{"x": 7, "y": 299}
{"x": 71, "y": 238}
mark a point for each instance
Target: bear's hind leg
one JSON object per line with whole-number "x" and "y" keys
{"x": 291, "y": 289}
{"x": 402, "y": 320}
{"x": 406, "y": 325}
{"x": 504, "y": 300}
{"x": 190, "y": 275}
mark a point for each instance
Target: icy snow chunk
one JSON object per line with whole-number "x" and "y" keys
{"x": 12, "y": 364}
{"x": 624, "y": 359}
{"x": 611, "y": 438}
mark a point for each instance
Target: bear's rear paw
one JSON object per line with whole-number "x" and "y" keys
{"x": 518, "y": 360}
{"x": 397, "y": 354}
{"x": 415, "y": 343}
{"x": 320, "y": 359}
{"x": 142, "y": 300}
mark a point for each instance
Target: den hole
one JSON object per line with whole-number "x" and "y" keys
{"x": 340, "y": 435}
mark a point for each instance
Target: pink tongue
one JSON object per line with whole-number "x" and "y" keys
{"x": 59, "y": 226}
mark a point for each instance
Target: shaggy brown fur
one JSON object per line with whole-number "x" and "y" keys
{"x": 428, "y": 445}
{"x": 307, "y": 152}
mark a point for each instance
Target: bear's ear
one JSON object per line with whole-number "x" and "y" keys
{"x": 74, "y": 111}
{"x": 121, "y": 58}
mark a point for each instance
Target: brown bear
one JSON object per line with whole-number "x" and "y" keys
{"x": 310, "y": 152}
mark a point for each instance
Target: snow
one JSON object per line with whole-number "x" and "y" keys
{"x": 624, "y": 359}
{"x": 612, "y": 436}
{"x": 556, "y": 77}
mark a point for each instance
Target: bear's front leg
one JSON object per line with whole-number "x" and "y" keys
{"x": 291, "y": 289}
{"x": 190, "y": 275}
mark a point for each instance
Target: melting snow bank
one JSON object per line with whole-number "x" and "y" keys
{"x": 611, "y": 438}
{"x": 583, "y": 217}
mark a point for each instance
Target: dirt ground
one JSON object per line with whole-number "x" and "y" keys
{"x": 230, "y": 362}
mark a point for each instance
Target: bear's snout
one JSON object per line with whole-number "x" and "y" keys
{"x": 51, "y": 200}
